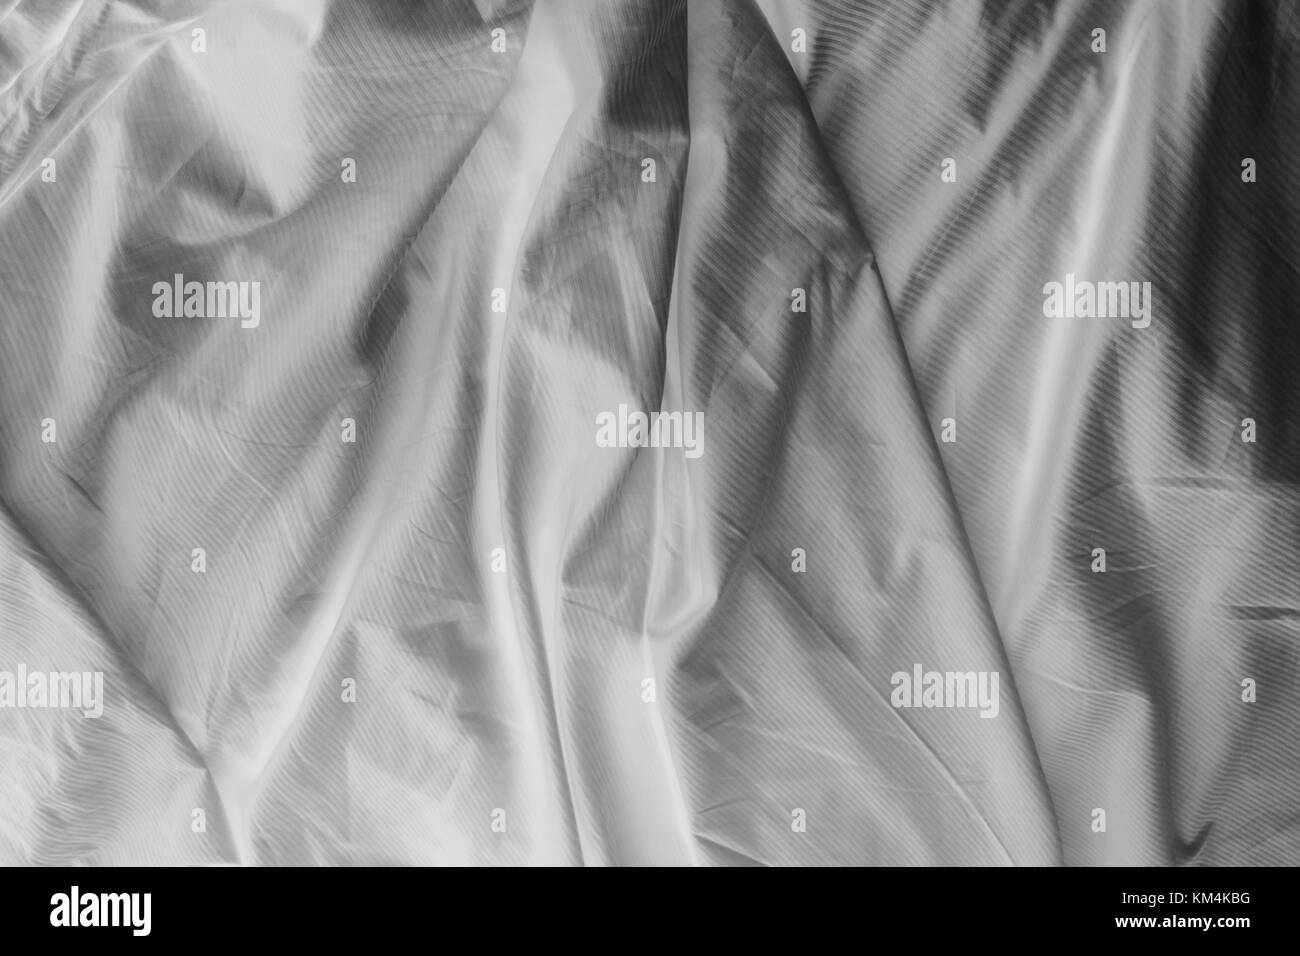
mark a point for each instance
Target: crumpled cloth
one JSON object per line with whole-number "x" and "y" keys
{"x": 475, "y": 636}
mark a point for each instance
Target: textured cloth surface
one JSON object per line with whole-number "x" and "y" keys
{"x": 366, "y": 587}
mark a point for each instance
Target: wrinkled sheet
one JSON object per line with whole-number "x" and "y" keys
{"x": 476, "y": 636}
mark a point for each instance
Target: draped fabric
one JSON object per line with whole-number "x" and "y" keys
{"x": 376, "y": 568}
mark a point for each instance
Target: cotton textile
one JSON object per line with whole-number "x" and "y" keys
{"x": 477, "y": 634}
